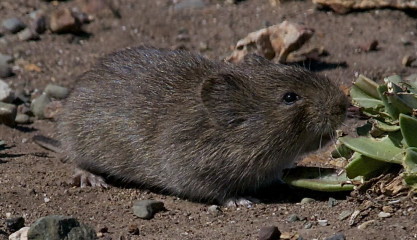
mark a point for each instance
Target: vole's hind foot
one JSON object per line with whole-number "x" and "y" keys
{"x": 82, "y": 178}
{"x": 241, "y": 201}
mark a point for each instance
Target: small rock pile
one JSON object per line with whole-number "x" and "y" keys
{"x": 22, "y": 106}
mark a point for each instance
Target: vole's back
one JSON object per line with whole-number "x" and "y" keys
{"x": 120, "y": 117}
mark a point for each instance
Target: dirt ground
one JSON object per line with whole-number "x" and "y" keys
{"x": 34, "y": 182}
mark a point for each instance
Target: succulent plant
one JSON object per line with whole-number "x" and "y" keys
{"x": 388, "y": 139}
{"x": 390, "y": 135}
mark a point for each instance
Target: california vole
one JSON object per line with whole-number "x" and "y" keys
{"x": 193, "y": 127}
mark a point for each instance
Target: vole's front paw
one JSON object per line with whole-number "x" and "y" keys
{"x": 241, "y": 201}
{"x": 82, "y": 178}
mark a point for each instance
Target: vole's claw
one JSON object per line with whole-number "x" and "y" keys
{"x": 82, "y": 178}
{"x": 241, "y": 201}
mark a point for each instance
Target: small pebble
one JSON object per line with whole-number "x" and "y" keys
{"x": 6, "y": 58}
{"x": 293, "y": 218}
{"x": 353, "y": 217}
{"x": 39, "y": 24}
{"x": 322, "y": 222}
{"x": 384, "y": 214}
{"x": 8, "y": 113}
{"x": 60, "y": 227}
{"x": 337, "y": 236}
{"x": 13, "y": 25}
{"x": 308, "y": 225}
{"x": 306, "y": 200}
{"x": 38, "y": 105}
{"x": 344, "y": 214}
{"x": 387, "y": 209}
{"x": 27, "y": 35}
{"x": 5, "y": 70}
{"x": 22, "y": 119}
{"x": 22, "y": 234}
{"x": 405, "y": 40}
{"x": 63, "y": 21}
{"x": 56, "y": 91}
{"x": 52, "y": 109}
{"x": 366, "y": 224}
{"x": 408, "y": 60}
{"x": 332, "y": 202}
{"x": 103, "y": 230}
{"x": 14, "y": 224}
{"x": 269, "y": 233}
{"x": 189, "y": 4}
{"x": 214, "y": 210}
{"x": 133, "y": 229}
{"x": 6, "y": 93}
{"x": 146, "y": 209}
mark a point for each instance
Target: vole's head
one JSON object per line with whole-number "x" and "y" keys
{"x": 273, "y": 102}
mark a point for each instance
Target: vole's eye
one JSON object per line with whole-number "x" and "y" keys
{"x": 290, "y": 97}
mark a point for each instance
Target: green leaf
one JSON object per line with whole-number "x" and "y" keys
{"x": 364, "y": 130}
{"x": 363, "y": 100}
{"x": 406, "y": 100}
{"x": 318, "y": 179}
{"x": 410, "y": 83}
{"x": 394, "y": 79}
{"x": 368, "y": 86}
{"x": 384, "y": 126}
{"x": 408, "y": 129}
{"x": 410, "y": 166}
{"x": 342, "y": 151}
{"x": 366, "y": 167}
{"x": 384, "y": 149}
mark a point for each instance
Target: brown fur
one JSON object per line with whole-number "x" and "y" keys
{"x": 196, "y": 128}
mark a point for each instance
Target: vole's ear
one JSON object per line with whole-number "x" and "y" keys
{"x": 226, "y": 98}
{"x": 255, "y": 60}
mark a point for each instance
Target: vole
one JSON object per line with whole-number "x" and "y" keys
{"x": 197, "y": 128}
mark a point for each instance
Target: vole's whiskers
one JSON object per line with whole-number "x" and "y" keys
{"x": 321, "y": 139}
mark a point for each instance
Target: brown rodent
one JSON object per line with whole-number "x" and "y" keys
{"x": 193, "y": 127}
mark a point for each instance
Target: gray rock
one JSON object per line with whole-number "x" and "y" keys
{"x": 5, "y": 70}
{"x": 6, "y": 58}
{"x": 214, "y": 210}
{"x": 366, "y": 224}
{"x": 384, "y": 214}
{"x": 56, "y": 91}
{"x": 27, "y": 35}
{"x": 15, "y": 223}
{"x": 337, "y": 236}
{"x": 60, "y": 227}
{"x": 39, "y": 24}
{"x": 8, "y": 113}
{"x": 269, "y": 233}
{"x": 22, "y": 119}
{"x": 63, "y": 21}
{"x": 293, "y": 218}
{"x": 322, "y": 222}
{"x": 188, "y": 4}
{"x": 344, "y": 214}
{"x": 21, "y": 234}
{"x": 38, "y": 105}
{"x": 306, "y": 200}
{"x": 6, "y": 93}
{"x": 308, "y": 225}
{"x": 332, "y": 202}
{"x": 146, "y": 209}
{"x": 13, "y": 25}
